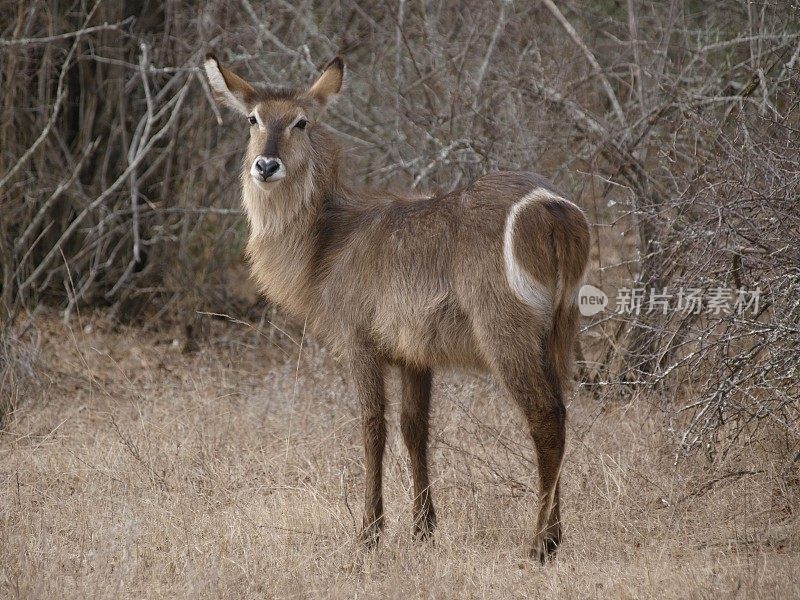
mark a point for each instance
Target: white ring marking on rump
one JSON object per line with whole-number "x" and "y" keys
{"x": 527, "y": 290}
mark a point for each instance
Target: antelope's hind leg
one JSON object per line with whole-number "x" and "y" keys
{"x": 414, "y": 422}
{"x": 546, "y": 417}
{"x": 519, "y": 366}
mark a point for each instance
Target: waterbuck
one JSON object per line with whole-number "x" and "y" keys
{"x": 485, "y": 277}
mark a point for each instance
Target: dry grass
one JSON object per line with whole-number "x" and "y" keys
{"x": 146, "y": 472}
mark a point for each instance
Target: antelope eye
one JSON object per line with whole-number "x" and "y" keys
{"x": 301, "y": 124}
{"x": 252, "y": 119}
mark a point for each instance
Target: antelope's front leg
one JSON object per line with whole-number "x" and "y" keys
{"x": 414, "y": 423}
{"x": 367, "y": 370}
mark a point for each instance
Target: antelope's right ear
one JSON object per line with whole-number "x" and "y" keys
{"x": 230, "y": 89}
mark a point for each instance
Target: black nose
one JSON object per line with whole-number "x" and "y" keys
{"x": 266, "y": 167}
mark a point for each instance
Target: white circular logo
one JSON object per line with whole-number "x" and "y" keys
{"x": 591, "y": 300}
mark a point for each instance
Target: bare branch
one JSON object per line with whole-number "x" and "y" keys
{"x": 65, "y": 36}
{"x": 598, "y": 70}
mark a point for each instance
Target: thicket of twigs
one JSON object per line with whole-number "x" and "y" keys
{"x": 675, "y": 124}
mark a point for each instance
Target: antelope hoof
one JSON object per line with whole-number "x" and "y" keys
{"x": 544, "y": 550}
{"x": 370, "y": 536}
{"x": 424, "y": 524}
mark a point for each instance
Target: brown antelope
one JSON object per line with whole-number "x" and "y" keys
{"x": 485, "y": 277}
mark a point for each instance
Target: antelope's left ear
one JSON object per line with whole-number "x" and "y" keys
{"x": 328, "y": 85}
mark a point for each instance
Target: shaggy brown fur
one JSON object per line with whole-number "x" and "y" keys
{"x": 484, "y": 277}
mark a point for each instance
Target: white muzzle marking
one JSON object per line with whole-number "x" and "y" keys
{"x": 267, "y": 169}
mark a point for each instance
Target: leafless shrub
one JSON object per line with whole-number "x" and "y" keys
{"x": 732, "y": 230}
{"x": 102, "y": 201}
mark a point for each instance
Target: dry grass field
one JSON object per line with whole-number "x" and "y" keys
{"x": 236, "y": 471}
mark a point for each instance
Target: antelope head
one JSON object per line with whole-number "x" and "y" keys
{"x": 285, "y": 138}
